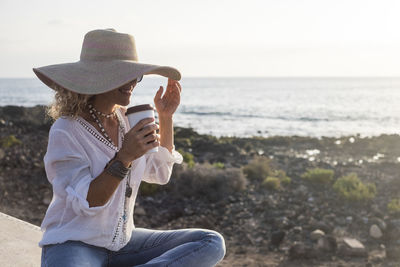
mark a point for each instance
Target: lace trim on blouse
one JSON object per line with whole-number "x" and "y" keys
{"x": 122, "y": 218}
{"x": 93, "y": 131}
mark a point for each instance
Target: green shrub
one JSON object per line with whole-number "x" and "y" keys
{"x": 207, "y": 181}
{"x": 183, "y": 142}
{"x": 286, "y": 181}
{"x": 394, "y": 206}
{"x": 219, "y": 165}
{"x": 187, "y": 158}
{"x": 318, "y": 176}
{"x": 258, "y": 168}
{"x": 147, "y": 189}
{"x": 279, "y": 173}
{"x": 10, "y": 141}
{"x": 272, "y": 183}
{"x": 351, "y": 188}
{"x": 283, "y": 178}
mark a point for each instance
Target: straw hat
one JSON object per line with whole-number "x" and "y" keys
{"x": 108, "y": 61}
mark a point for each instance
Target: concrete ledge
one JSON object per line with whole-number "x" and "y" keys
{"x": 19, "y": 242}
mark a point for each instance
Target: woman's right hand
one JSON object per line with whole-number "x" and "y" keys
{"x": 137, "y": 141}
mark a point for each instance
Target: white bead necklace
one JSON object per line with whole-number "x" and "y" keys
{"x": 93, "y": 112}
{"x": 101, "y": 113}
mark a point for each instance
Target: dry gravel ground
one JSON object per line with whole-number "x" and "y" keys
{"x": 246, "y": 218}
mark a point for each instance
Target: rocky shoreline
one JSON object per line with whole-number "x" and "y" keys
{"x": 299, "y": 224}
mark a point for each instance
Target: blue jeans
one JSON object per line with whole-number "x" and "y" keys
{"x": 186, "y": 247}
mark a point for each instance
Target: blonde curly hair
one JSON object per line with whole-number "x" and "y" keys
{"x": 67, "y": 103}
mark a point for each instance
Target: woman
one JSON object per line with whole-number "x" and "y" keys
{"x": 95, "y": 162}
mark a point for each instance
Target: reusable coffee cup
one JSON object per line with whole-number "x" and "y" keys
{"x": 138, "y": 113}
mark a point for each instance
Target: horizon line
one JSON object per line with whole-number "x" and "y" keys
{"x": 256, "y": 77}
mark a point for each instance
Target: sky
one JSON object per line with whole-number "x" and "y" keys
{"x": 273, "y": 38}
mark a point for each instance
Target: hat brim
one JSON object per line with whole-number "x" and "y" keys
{"x": 96, "y": 77}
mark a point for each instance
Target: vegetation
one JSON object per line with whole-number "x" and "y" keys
{"x": 147, "y": 189}
{"x": 394, "y": 206}
{"x": 9, "y": 141}
{"x": 207, "y": 181}
{"x": 258, "y": 168}
{"x": 219, "y": 165}
{"x": 285, "y": 181}
{"x": 276, "y": 180}
{"x": 351, "y": 188}
{"x": 318, "y": 176}
{"x": 187, "y": 158}
{"x": 273, "y": 183}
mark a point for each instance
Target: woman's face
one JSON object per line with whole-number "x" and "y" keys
{"x": 120, "y": 96}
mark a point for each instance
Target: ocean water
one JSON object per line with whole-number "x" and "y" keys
{"x": 261, "y": 106}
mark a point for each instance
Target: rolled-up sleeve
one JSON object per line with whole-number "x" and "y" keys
{"x": 159, "y": 165}
{"x": 68, "y": 171}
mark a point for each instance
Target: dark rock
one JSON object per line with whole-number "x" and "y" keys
{"x": 297, "y": 229}
{"x": 300, "y": 251}
{"x": 327, "y": 244}
{"x": 277, "y": 238}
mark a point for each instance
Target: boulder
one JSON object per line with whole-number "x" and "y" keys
{"x": 352, "y": 247}
{"x": 380, "y": 223}
{"x": 316, "y": 234}
{"x": 375, "y": 232}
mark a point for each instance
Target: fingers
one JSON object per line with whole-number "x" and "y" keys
{"x": 179, "y": 86}
{"x": 174, "y": 83}
{"x": 157, "y": 97}
{"x": 148, "y": 130}
{"x": 151, "y": 138}
{"x": 152, "y": 145}
{"x": 141, "y": 124}
{"x": 173, "y": 91}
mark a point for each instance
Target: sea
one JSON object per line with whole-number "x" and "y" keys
{"x": 249, "y": 107}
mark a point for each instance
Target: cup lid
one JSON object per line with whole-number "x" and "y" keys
{"x": 138, "y": 108}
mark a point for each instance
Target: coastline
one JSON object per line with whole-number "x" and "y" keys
{"x": 250, "y": 216}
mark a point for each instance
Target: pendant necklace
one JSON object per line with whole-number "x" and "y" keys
{"x": 93, "y": 111}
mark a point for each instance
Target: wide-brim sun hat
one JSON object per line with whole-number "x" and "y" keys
{"x": 108, "y": 61}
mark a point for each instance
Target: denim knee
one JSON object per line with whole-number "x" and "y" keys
{"x": 218, "y": 240}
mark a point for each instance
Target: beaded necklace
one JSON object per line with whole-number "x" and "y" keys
{"x": 123, "y": 219}
{"x": 101, "y": 113}
{"x": 93, "y": 112}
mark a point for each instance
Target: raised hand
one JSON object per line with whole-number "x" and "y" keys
{"x": 169, "y": 102}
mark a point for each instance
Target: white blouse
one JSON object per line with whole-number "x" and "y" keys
{"x": 76, "y": 154}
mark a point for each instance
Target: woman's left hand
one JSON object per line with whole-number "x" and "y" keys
{"x": 169, "y": 102}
